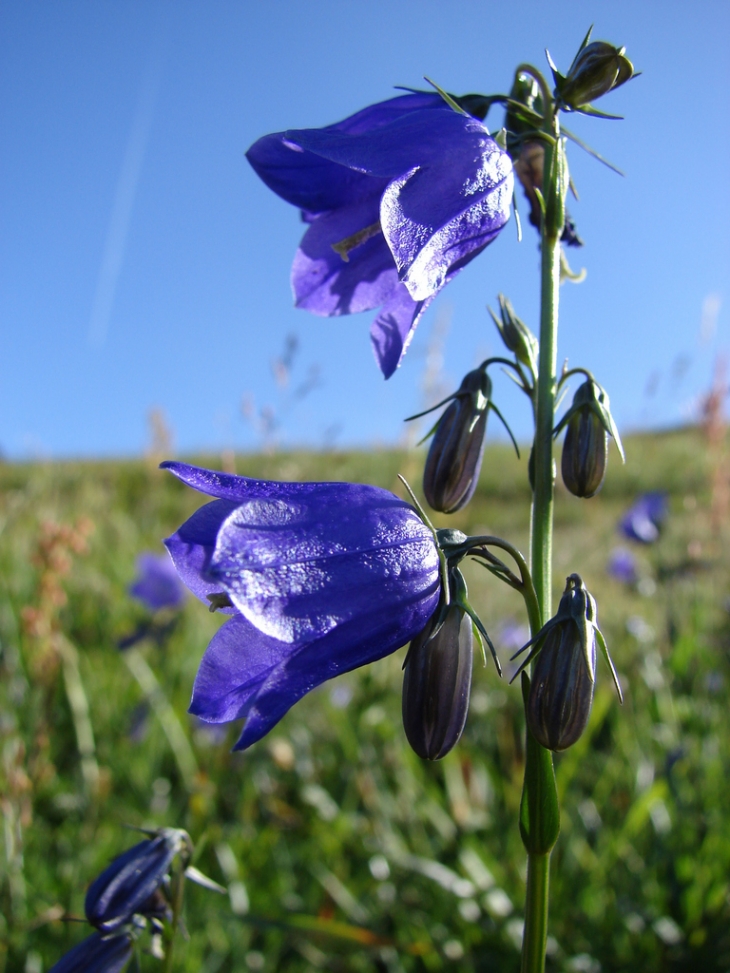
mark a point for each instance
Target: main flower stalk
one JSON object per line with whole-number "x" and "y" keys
{"x": 539, "y": 813}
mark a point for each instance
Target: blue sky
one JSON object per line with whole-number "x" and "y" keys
{"x": 143, "y": 265}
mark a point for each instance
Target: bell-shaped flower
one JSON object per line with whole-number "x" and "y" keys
{"x": 398, "y": 198}
{"x": 320, "y": 578}
{"x": 128, "y": 885}
{"x": 643, "y": 521}
{"x": 622, "y": 566}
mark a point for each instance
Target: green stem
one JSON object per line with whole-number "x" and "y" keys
{"x": 533, "y": 948}
{"x": 539, "y": 812}
{"x": 178, "y": 890}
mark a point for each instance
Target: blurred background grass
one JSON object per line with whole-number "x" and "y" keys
{"x": 340, "y": 849}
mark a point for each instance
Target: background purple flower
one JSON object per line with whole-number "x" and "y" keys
{"x": 320, "y": 577}
{"x": 157, "y": 584}
{"x": 398, "y": 198}
{"x": 642, "y": 522}
{"x": 622, "y": 566}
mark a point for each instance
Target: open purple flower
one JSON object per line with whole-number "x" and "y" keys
{"x": 320, "y": 578}
{"x": 157, "y": 584}
{"x": 398, "y": 198}
{"x": 643, "y": 521}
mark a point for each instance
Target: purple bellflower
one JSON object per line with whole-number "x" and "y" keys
{"x": 398, "y": 198}
{"x": 97, "y": 954}
{"x": 320, "y": 578}
{"x": 157, "y": 584}
{"x": 622, "y": 566}
{"x": 642, "y": 522}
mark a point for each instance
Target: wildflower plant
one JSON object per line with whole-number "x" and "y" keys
{"x": 320, "y": 578}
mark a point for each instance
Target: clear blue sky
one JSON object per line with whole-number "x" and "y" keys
{"x": 143, "y": 264}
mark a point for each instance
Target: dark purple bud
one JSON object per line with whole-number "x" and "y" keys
{"x": 561, "y": 689}
{"x": 597, "y": 69}
{"x": 128, "y": 884}
{"x": 437, "y": 684}
{"x": 455, "y": 457}
{"x": 585, "y": 452}
{"x": 97, "y": 954}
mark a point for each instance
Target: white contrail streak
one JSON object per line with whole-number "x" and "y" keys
{"x": 116, "y": 237}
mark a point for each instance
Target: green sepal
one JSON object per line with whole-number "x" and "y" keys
{"x": 516, "y": 336}
{"x": 590, "y": 110}
{"x": 590, "y": 395}
{"x": 539, "y": 808}
{"x": 462, "y": 600}
{"x": 447, "y": 98}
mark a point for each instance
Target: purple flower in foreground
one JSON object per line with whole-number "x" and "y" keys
{"x": 96, "y": 954}
{"x": 398, "y": 198}
{"x": 643, "y": 521}
{"x": 320, "y": 578}
{"x": 157, "y": 584}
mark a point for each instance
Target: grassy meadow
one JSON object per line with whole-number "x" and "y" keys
{"x": 339, "y": 848}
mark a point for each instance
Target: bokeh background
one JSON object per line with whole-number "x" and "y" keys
{"x": 144, "y": 266}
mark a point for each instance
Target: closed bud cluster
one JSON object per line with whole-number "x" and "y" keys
{"x": 455, "y": 456}
{"x": 437, "y": 683}
{"x": 585, "y": 450}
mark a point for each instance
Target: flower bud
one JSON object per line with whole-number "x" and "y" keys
{"x": 128, "y": 885}
{"x": 437, "y": 683}
{"x": 455, "y": 457}
{"x": 597, "y": 69}
{"x": 516, "y": 336}
{"x": 585, "y": 451}
{"x": 561, "y": 687}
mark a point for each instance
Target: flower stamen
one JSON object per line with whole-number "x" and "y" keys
{"x": 343, "y": 247}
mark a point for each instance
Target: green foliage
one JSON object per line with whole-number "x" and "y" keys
{"x": 341, "y": 849}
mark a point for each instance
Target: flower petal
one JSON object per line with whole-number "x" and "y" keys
{"x": 246, "y": 673}
{"x": 435, "y": 216}
{"x": 392, "y": 330}
{"x": 191, "y": 546}
{"x": 313, "y": 183}
{"x": 299, "y": 568}
{"x": 235, "y": 665}
{"x": 438, "y": 136}
{"x": 324, "y": 282}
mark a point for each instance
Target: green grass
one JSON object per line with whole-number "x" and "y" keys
{"x": 353, "y": 853}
